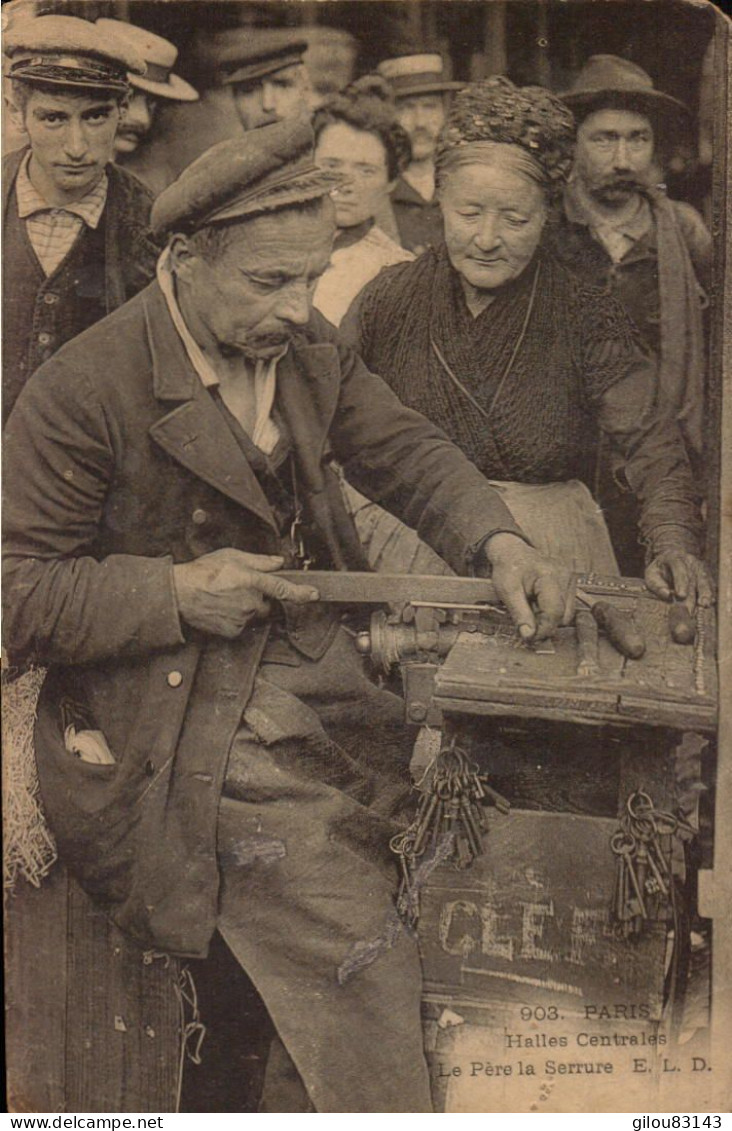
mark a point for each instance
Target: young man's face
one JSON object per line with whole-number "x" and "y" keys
{"x": 257, "y": 292}
{"x": 422, "y": 116}
{"x": 614, "y": 155}
{"x": 136, "y": 122}
{"x": 272, "y": 98}
{"x": 71, "y": 138}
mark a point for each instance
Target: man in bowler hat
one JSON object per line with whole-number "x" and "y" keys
{"x": 75, "y": 238}
{"x": 242, "y": 772}
{"x": 621, "y": 231}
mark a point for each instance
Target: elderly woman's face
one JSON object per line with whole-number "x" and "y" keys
{"x": 493, "y": 221}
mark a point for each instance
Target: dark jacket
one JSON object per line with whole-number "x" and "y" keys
{"x": 418, "y": 221}
{"x": 118, "y": 464}
{"x": 104, "y": 269}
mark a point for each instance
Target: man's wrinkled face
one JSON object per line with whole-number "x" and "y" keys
{"x": 258, "y": 290}
{"x": 422, "y": 116}
{"x": 361, "y": 158}
{"x": 271, "y": 98}
{"x": 71, "y": 138}
{"x": 614, "y": 156}
{"x": 136, "y": 122}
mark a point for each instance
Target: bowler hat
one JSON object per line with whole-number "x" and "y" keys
{"x": 159, "y": 55}
{"x": 260, "y": 171}
{"x": 608, "y": 80}
{"x": 409, "y": 75}
{"x": 65, "y": 51}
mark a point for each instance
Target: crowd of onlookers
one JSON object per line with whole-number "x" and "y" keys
{"x": 613, "y": 226}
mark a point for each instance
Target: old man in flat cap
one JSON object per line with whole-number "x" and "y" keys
{"x": 239, "y": 771}
{"x": 75, "y": 239}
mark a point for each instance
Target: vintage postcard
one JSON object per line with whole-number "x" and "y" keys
{"x": 366, "y": 595}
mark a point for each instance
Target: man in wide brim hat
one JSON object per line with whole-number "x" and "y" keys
{"x": 608, "y": 81}
{"x": 75, "y": 233}
{"x": 622, "y": 233}
{"x": 420, "y": 90}
{"x": 242, "y": 772}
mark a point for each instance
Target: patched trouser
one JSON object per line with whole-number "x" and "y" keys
{"x": 316, "y": 781}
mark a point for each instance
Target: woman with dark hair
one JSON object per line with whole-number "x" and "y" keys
{"x": 519, "y": 361}
{"x": 357, "y": 135}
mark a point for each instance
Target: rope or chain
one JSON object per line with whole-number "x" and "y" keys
{"x": 699, "y": 651}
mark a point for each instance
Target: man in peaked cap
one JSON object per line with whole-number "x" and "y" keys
{"x": 248, "y": 77}
{"x": 135, "y": 144}
{"x": 239, "y": 769}
{"x": 622, "y": 233}
{"x": 420, "y": 90}
{"x": 75, "y": 242}
{"x": 265, "y": 71}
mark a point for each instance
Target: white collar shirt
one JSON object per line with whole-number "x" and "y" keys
{"x": 257, "y": 381}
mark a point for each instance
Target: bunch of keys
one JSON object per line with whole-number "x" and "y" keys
{"x": 644, "y": 884}
{"x": 450, "y": 823}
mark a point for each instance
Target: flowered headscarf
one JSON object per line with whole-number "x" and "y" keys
{"x": 529, "y": 117}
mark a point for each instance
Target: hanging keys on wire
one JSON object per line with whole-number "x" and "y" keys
{"x": 644, "y": 884}
{"x": 449, "y": 824}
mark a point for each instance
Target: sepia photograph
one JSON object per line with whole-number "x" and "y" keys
{"x": 367, "y": 557}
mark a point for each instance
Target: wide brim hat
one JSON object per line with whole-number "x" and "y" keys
{"x": 159, "y": 55}
{"x": 71, "y": 53}
{"x": 263, "y": 170}
{"x": 608, "y": 80}
{"x": 409, "y": 75}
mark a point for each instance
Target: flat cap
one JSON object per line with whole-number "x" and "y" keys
{"x": 262, "y": 171}
{"x": 65, "y": 51}
{"x": 247, "y": 55}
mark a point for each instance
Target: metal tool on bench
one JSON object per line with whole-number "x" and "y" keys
{"x": 617, "y": 624}
{"x": 434, "y": 609}
{"x": 681, "y": 623}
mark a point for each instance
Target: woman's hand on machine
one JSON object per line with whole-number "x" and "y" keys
{"x": 676, "y": 573}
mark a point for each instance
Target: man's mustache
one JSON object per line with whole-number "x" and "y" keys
{"x": 626, "y": 184}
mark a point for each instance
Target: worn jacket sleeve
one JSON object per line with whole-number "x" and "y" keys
{"x": 399, "y": 459}
{"x": 63, "y": 602}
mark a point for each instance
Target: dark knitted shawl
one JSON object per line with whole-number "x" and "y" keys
{"x": 539, "y": 398}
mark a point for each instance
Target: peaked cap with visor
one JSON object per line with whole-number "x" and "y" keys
{"x": 71, "y": 54}
{"x": 262, "y": 171}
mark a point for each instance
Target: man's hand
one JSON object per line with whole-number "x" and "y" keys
{"x": 681, "y": 574}
{"x": 221, "y": 592}
{"x": 521, "y": 574}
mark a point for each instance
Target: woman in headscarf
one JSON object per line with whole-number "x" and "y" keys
{"x": 520, "y": 362}
{"x": 358, "y": 136}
